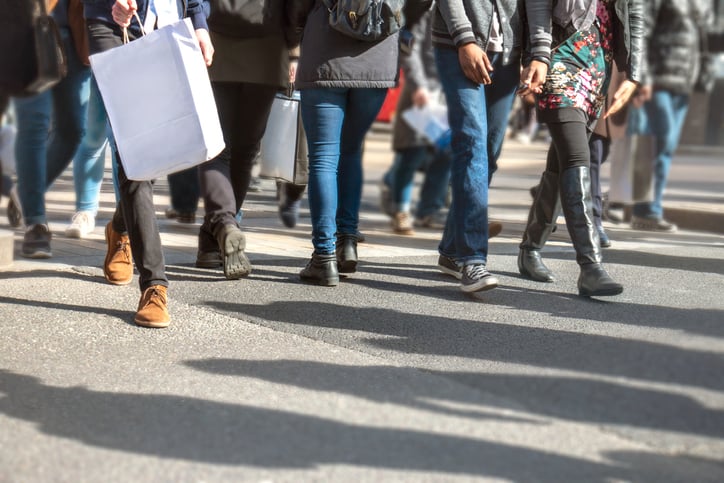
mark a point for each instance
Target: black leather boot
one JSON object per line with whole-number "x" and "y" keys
{"x": 576, "y": 203}
{"x": 541, "y": 221}
{"x": 321, "y": 270}
{"x": 347, "y": 252}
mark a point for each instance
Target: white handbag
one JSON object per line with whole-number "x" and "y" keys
{"x": 284, "y": 145}
{"x": 160, "y": 105}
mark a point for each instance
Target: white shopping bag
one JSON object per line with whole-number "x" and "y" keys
{"x": 284, "y": 145}
{"x": 430, "y": 121}
{"x": 160, "y": 105}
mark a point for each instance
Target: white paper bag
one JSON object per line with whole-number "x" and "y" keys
{"x": 430, "y": 121}
{"x": 284, "y": 145}
{"x": 7, "y": 149}
{"x": 160, "y": 105}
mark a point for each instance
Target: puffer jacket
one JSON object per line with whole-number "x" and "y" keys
{"x": 673, "y": 42}
{"x": 629, "y": 45}
{"x": 459, "y": 22}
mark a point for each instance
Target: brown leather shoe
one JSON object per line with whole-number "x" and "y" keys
{"x": 118, "y": 265}
{"x": 494, "y": 229}
{"x": 153, "y": 308}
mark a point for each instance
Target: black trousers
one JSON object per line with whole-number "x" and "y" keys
{"x": 136, "y": 213}
{"x": 243, "y": 112}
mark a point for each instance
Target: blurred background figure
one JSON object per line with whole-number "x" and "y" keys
{"x": 413, "y": 152}
{"x": 678, "y": 64}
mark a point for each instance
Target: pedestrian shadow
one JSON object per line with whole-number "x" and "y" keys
{"x": 564, "y": 398}
{"x": 199, "y": 430}
{"x": 368, "y": 382}
{"x": 411, "y": 333}
{"x": 123, "y": 315}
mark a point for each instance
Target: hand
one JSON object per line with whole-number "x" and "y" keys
{"x": 207, "y": 48}
{"x": 293, "y": 70}
{"x": 532, "y": 78}
{"x": 475, "y": 63}
{"x": 122, "y": 12}
{"x": 420, "y": 97}
{"x": 621, "y": 97}
{"x": 644, "y": 94}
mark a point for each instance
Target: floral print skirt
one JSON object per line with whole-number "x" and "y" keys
{"x": 578, "y": 76}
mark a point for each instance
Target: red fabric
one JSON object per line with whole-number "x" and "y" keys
{"x": 389, "y": 107}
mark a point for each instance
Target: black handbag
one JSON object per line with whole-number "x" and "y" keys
{"x": 35, "y": 59}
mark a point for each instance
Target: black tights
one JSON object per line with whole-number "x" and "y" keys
{"x": 569, "y": 148}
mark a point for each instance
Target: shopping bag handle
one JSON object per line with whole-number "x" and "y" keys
{"x": 125, "y": 29}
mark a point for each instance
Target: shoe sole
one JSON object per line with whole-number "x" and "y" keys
{"x": 236, "y": 263}
{"x": 37, "y": 255}
{"x": 601, "y": 293}
{"x": 214, "y": 264}
{"x": 151, "y": 324}
{"x": 451, "y": 272}
{"x": 77, "y": 233}
{"x": 488, "y": 283}
{"x": 324, "y": 282}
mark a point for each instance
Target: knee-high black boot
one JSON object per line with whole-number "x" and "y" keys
{"x": 541, "y": 221}
{"x": 576, "y": 203}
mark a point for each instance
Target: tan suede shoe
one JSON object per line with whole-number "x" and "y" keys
{"x": 118, "y": 265}
{"x": 153, "y": 308}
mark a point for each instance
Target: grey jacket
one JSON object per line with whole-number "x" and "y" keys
{"x": 673, "y": 46}
{"x": 419, "y": 69}
{"x": 332, "y": 59}
{"x": 459, "y": 22}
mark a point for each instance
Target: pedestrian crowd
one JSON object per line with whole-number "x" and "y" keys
{"x": 605, "y": 77}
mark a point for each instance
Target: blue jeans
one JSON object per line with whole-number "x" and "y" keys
{"x": 336, "y": 121}
{"x": 478, "y": 116}
{"x": 89, "y": 160}
{"x": 666, "y": 113}
{"x": 401, "y": 175}
{"x": 61, "y": 112}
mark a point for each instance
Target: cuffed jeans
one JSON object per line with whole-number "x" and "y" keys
{"x": 137, "y": 211}
{"x": 666, "y": 113}
{"x": 478, "y": 116}
{"x": 336, "y": 121}
{"x": 50, "y": 127}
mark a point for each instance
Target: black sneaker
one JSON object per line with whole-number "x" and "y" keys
{"x": 36, "y": 242}
{"x": 449, "y": 266}
{"x": 476, "y": 278}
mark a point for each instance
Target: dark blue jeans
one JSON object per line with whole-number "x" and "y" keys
{"x": 336, "y": 121}
{"x": 666, "y": 113}
{"x": 50, "y": 127}
{"x": 478, "y": 116}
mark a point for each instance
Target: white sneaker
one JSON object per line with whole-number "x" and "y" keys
{"x": 82, "y": 223}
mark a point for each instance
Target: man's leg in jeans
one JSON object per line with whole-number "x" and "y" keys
{"x": 465, "y": 236}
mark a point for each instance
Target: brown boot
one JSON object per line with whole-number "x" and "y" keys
{"x": 153, "y": 308}
{"x": 118, "y": 266}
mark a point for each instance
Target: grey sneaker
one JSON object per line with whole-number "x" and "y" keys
{"x": 449, "y": 266}
{"x": 36, "y": 242}
{"x": 476, "y": 278}
{"x": 652, "y": 224}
